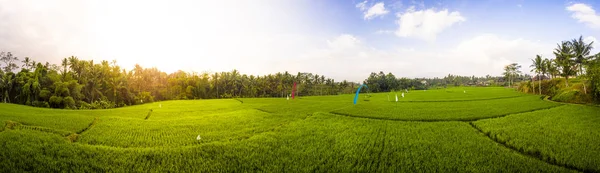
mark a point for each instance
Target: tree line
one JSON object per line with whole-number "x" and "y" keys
{"x": 382, "y": 82}
{"x": 85, "y": 84}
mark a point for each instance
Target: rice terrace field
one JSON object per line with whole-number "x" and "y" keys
{"x": 466, "y": 129}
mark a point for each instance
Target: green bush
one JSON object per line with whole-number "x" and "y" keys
{"x": 83, "y": 105}
{"x": 572, "y": 96}
{"x": 593, "y": 72}
{"x": 144, "y": 97}
{"x": 553, "y": 86}
{"x": 69, "y": 102}
{"x": 45, "y": 94}
{"x": 56, "y": 102}
{"x": 42, "y": 104}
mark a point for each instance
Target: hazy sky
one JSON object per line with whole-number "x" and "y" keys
{"x": 340, "y": 39}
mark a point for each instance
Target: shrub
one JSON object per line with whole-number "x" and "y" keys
{"x": 593, "y": 72}
{"x": 144, "y": 97}
{"x": 69, "y": 102}
{"x": 56, "y": 102}
{"x": 40, "y": 104}
{"x": 45, "y": 94}
{"x": 572, "y": 96}
{"x": 84, "y": 105}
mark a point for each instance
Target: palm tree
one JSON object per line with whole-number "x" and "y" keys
{"x": 581, "y": 52}
{"x": 26, "y": 63}
{"x": 538, "y": 65}
{"x": 564, "y": 60}
{"x": 64, "y": 64}
{"x": 215, "y": 78}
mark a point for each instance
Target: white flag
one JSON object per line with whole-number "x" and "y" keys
{"x": 198, "y": 138}
{"x": 288, "y": 97}
{"x": 396, "y": 97}
{"x": 402, "y": 95}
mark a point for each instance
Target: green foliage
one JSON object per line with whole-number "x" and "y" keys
{"x": 42, "y": 104}
{"x": 45, "y": 95}
{"x": 593, "y": 72}
{"x": 100, "y": 104}
{"x": 56, "y": 102}
{"x": 69, "y": 103}
{"x": 572, "y": 96}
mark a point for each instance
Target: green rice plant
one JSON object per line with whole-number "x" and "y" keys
{"x": 67, "y": 120}
{"x": 446, "y": 111}
{"x": 301, "y": 135}
{"x": 567, "y": 135}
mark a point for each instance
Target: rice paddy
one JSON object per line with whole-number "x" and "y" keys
{"x": 445, "y": 130}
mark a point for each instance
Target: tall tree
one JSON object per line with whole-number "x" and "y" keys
{"x": 564, "y": 60}
{"x": 537, "y": 67}
{"x": 511, "y": 71}
{"x": 581, "y": 52}
{"x": 9, "y": 61}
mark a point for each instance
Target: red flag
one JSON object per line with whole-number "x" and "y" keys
{"x": 294, "y": 90}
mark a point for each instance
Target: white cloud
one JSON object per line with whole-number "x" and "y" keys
{"x": 585, "y": 14}
{"x": 349, "y": 57}
{"x": 589, "y": 39}
{"x": 426, "y": 24}
{"x": 374, "y": 11}
{"x": 362, "y": 6}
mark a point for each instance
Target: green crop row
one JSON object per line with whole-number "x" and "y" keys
{"x": 442, "y": 111}
{"x": 568, "y": 135}
{"x": 235, "y": 125}
{"x": 320, "y": 143}
{"x": 67, "y": 120}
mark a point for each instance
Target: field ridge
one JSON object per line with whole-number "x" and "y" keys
{"x": 535, "y": 155}
{"x": 440, "y": 120}
{"x": 463, "y": 100}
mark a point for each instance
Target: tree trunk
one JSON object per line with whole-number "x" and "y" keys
{"x": 584, "y": 90}
{"x": 540, "y": 83}
{"x": 567, "y": 80}
{"x": 533, "y": 86}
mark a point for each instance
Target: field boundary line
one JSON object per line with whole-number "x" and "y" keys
{"x": 440, "y": 120}
{"x": 92, "y": 124}
{"x": 462, "y": 100}
{"x": 537, "y": 156}
{"x": 546, "y": 98}
{"x": 148, "y": 116}
{"x": 15, "y": 125}
{"x": 239, "y": 100}
{"x": 265, "y": 111}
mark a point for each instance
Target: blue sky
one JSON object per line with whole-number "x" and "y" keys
{"x": 339, "y": 39}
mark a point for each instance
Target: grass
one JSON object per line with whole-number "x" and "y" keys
{"x": 309, "y": 134}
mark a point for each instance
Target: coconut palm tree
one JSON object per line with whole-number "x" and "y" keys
{"x": 537, "y": 66}
{"x": 27, "y": 63}
{"x": 581, "y": 52}
{"x": 564, "y": 60}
